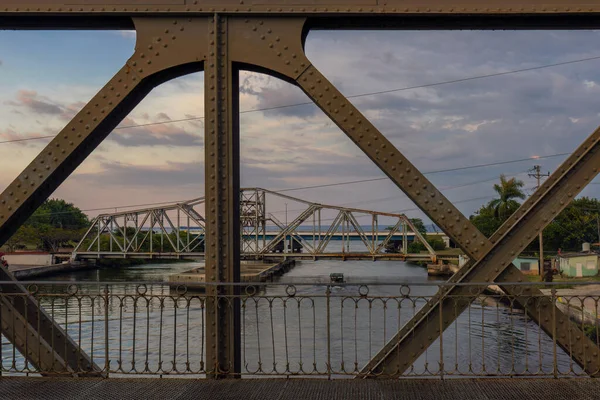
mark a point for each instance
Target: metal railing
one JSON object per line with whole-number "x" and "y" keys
{"x": 301, "y": 329}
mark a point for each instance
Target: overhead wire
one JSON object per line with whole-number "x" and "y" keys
{"x": 355, "y": 182}
{"x": 421, "y": 86}
{"x": 350, "y": 96}
{"x": 426, "y": 173}
{"x": 397, "y": 197}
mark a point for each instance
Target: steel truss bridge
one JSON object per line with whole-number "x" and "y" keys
{"x": 179, "y": 231}
{"x": 220, "y": 37}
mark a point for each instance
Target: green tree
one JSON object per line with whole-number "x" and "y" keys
{"x": 509, "y": 190}
{"x": 54, "y": 224}
{"x": 25, "y": 235}
{"x": 418, "y": 223}
{"x": 576, "y": 224}
{"x": 59, "y": 214}
{"x": 485, "y": 220}
{"x": 435, "y": 242}
{"x": 493, "y": 214}
{"x": 52, "y": 239}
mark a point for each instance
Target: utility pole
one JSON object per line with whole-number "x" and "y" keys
{"x": 535, "y": 172}
{"x": 285, "y": 239}
{"x": 598, "y": 223}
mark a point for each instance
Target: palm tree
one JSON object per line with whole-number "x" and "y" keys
{"x": 508, "y": 190}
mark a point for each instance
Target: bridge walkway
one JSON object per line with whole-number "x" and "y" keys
{"x": 299, "y": 389}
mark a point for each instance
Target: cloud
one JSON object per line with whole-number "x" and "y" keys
{"x": 116, "y": 174}
{"x": 11, "y": 135}
{"x": 163, "y": 116}
{"x": 127, "y": 34}
{"x": 506, "y": 117}
{"x": 274, "y": 95}
{"x": 70, "y": 110}
{"x": 30, "y": 100}
{"x": 160, "y": 134}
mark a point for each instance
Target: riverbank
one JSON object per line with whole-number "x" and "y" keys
{"x": 579, "y": 302}
{"x": 29, "y": 272}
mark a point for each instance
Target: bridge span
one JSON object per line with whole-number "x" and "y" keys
{"x": 317, "y": 231}
{"x": 286, "y": 332}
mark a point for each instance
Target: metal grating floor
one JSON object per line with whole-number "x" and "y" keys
{"x": 298, "y": 389}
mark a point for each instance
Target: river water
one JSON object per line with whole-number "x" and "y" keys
{"x": 292, "y": 329}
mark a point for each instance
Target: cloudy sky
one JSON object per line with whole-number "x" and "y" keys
{"x": 46, "y": 77}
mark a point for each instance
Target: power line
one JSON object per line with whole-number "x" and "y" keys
{"x": 361, "y": 181}
{"x": 108, "y": 208}
{"x": 418, "y": 209}
{"x": 426, "y": 85}
{"x": 453, "y": 202}
{"x": 427, "y": 173}
{"x": 26, "y": 139}
{"x": 397, "y": 197}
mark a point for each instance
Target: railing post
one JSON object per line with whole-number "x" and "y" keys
{"x": 442, "y": 299}
{"x": 554, "y": 355}
{"x": 328, "y": 296}
{"x": 222, "y": 188}
{"x": 106, "y": 340}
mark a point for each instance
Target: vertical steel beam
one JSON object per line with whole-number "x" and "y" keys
{"x": 221, "y": 108}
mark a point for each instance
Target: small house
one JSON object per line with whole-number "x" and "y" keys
{"x": 579, "y": 264}
{"x": 528, "y": 265}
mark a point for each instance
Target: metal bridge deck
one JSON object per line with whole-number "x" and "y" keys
{"x": 299, "y": 389}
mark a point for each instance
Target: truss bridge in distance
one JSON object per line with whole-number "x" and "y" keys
{"x": 269, "y": 229}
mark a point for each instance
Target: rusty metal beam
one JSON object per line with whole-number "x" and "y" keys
{"x": 496, "y": 265}
{"x": 222, "y": 188}
{"x": 298, "y": 7}
{"x": 165, "y": 49}
{"x": 322, "y": 14}
{"x": 45, "y": 345}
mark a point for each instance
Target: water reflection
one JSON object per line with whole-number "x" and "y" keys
{"x": 308, "y": 333}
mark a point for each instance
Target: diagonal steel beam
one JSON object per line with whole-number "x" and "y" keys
{"x": 496, "y": 265}
{"x": 45, "y": 345}
{"x": 437, "y": 207}
{"x": 162, "y": 53}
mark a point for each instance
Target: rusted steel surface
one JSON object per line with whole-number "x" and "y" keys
{"x": 222, "y": 188}
{"x": 321, "y": 14}
{"x": 516, "y": 233}
{"x": 35, "y": 334}
{"x": 328, "y": 7}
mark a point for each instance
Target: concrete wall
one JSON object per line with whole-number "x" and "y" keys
{"x": 41, "y": 259}
{"x": 579, "y": 266}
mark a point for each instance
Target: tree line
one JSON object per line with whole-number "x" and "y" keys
{"x": 57, "y": 223}
{"x": 53, "y": 225}
{"x": 578, "y": 223}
